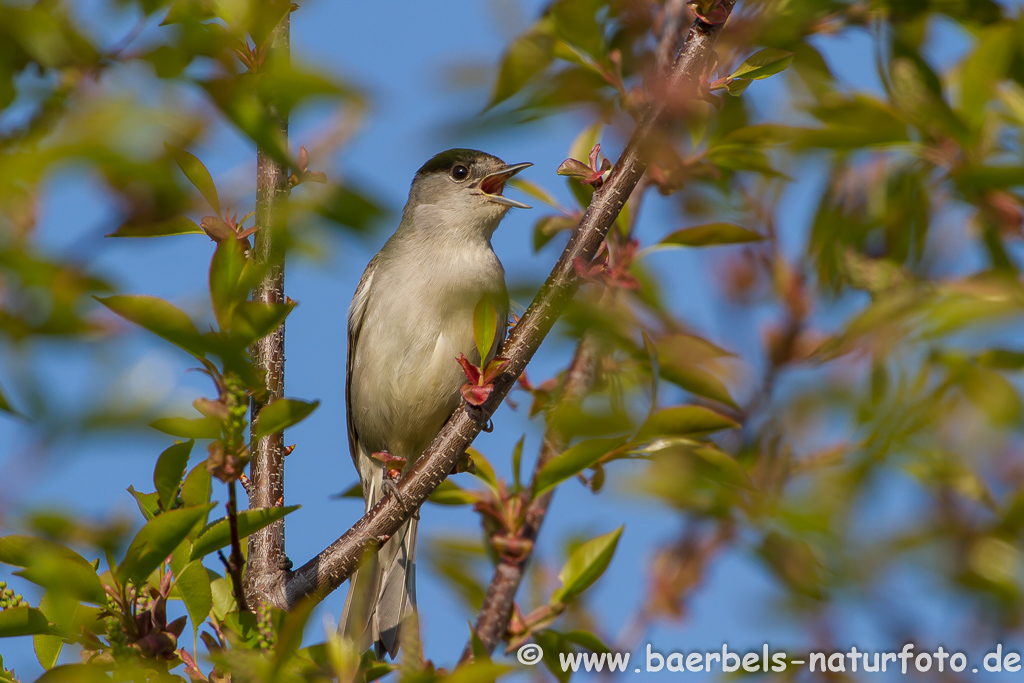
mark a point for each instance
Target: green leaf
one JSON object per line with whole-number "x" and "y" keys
{"x": 450, "y": 493}
{"x": 198, "y": 486}
{"x": 290, "y": 84}
{"x": 484, "y": 468}
{"x": 281, "y": 414}
{"x": 47, "y": 649}
{"x": 225, "y": 273}
{"x": 54, "y": 607}
{"x": 73, "y": 577}
{"x": 575, "y": 22}
{"x": 75, "y": 673}
{"x": 180, "y": 557}
{"x": 188, "y": 428}
{"x": 697, "y": 381}
{"x": 763, "y": 64}
{"x": 985, "y": 67}
{"x": 197, "y": 174}
{"x": 683, "y": 420}
{"x": 193, "y": 582}
{"x": 23, "y": 621}
{"x": 353, "y": 491}
{"x": 743, "y": 158}
{"x": 586, "y": 565}
{"x": 20, "y": 550}
{"x": 53, "y": 566}
{"x": 552, "y": 643}
{"x": 737, "y": 86}
{"x": 485, "y": 325}
{"x": 534, "y": 190}
{"x": 545, "y": 229}
{"x": 517, "y": 462}
{"x": 1003, "y": 359}
{"x": 586, "y": 639}
{"x": 289, "y": 635}
{"x": 351, "y": 207}
{"x": 652, "y": 358}
{"x": 527, "y": 56}
{"x": 5, "y": 405}
{"x": 573, "y": 461}
{"x": 149, "y": 503}
{"x": 732, "y": 471}
{"x": 254, "y": 320}
{"x": 223, "y": 597}
{"x": 217, "y": 534}
{"x": 239, "y": 101}
{"x": 477, "y": 672}
{"x": 480, "y": 652}
{"x": 157, "y": 540}
{"x": 160, "y": 318}
{"x": 179, "y": 225}
{"x": 986, "y": 177}
{"x": 170, "y": 468}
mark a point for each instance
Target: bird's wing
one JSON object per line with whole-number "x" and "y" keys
{"x": 356, "y": 314}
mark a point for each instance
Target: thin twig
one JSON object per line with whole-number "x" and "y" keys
{"x": 235, "y": 560}
{"x": 335, "y": 564}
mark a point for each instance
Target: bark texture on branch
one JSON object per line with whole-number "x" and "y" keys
{"x": 332, "y": 566}
{"x": 492, "y": 620}
{"x": 265, "y": 571}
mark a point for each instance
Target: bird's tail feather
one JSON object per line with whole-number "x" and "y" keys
{"x": 383, "y": 590}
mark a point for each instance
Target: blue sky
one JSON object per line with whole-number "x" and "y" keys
{"x": 400, "y": 54}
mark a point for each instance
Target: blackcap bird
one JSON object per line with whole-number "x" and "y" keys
{"x": 410, "y": 319}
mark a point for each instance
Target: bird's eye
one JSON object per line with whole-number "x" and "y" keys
{"x": 459, "y": 173}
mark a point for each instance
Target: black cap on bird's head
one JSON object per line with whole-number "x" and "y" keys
{"x": 481, "y": 173}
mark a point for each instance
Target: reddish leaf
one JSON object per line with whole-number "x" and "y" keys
{"x": 216, "y": 228}
{"x": 471, "y": 371}
{"x": 475, "y": 394}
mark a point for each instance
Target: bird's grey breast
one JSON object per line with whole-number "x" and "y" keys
{"x": 418, "y": 318}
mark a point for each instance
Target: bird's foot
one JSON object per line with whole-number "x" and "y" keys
{"x": 391, "y": 487}
{"x": 393, "y": 466}
{"x": 478, "y": 415}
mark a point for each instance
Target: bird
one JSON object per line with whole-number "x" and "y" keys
{"x": 410, "y": 320}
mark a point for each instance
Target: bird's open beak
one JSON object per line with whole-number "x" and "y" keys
{"x": 492, "y": 184}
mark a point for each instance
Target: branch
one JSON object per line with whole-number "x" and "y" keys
{"x": 235, "y": 560}
{"x": 673, "y": 17}
{"x": 493, "y": 618}
{"x": 332, "y": 566}
{"x": 266, "y": 488}
{"x": 496, "y": 611}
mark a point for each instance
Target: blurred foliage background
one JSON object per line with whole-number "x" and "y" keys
{"x": 807, "y": 327}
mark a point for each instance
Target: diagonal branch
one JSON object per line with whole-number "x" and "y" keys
{"x": 332, "y": 566}
{"x": 496, "y": 611}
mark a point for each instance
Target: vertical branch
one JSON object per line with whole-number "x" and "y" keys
{"x": 266, "y": 546}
